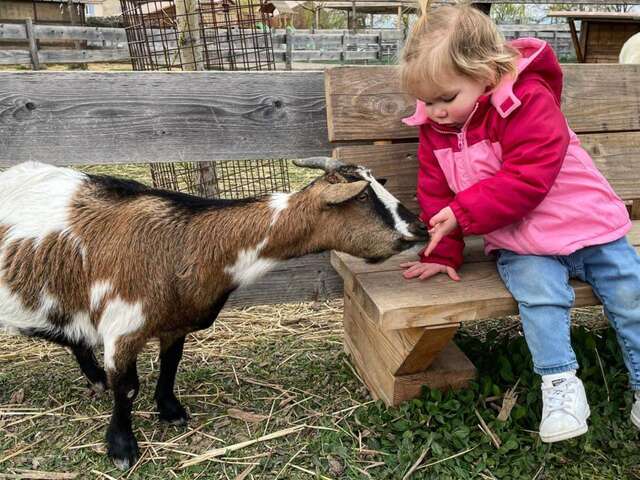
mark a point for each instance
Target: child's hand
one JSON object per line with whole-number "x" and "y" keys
{"x": 442, "y": 224}
{"x": 426, "y": 270}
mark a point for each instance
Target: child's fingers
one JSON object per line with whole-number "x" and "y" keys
{"x": 437, "y": 218}
{"x": 436, "y": 236}
{"x": 408, "y": 264}
{"x": 453, "y": 274}
{"x": 428, "y": 273}
{"x": 412, "y": 271}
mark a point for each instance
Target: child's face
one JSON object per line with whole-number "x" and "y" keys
{"x": 453, "y": 105}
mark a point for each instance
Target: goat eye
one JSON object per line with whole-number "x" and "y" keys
{"x": 363, "y": 196}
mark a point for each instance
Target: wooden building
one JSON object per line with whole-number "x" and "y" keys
{"x": 55, "y": 12}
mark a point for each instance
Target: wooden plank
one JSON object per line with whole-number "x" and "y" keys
{"x": 450, "y": 369}
{"x": 617, "y": 156}
{"x": 403, "y": 352}
{"x": 140, "y": 117}
{"x": 610, "y": 16}
{"x": 84, "y": 56}
{"x": 367, "y": 104}
{"x": 324, "y": 55}
{"x": 440, "y": 301}
{"x": 349, "y": 267}
{"x": 308, "y": 278}
{"x": 67, "y": 56}
{"x": 11, "y": 31}
{"x": 15, "y": 57}
{"x": 90, "y": 34}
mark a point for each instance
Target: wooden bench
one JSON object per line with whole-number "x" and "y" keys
{"x": 399, "y": 332}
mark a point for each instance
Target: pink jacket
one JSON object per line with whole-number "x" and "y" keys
{"x": 515, "y": 172}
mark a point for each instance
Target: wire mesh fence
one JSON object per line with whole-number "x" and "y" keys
{"x": 230, "y": 180}
{"x": 206, "y": 35}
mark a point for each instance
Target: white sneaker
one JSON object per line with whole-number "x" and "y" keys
{"x": 564, "y": 407}
{"x": 635, "y": 410}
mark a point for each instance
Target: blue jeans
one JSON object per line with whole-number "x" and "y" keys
{"x": 540, "y": 285}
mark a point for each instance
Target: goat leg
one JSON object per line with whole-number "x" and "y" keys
{"x": 169, "y": 406}
{"x": 89, "y": 366}
{"x": 122, "y": 446}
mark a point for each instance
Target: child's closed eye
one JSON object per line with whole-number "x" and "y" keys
{"x": 449, "y": 98}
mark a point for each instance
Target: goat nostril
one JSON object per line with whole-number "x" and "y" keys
{"x": 419, "y": 229}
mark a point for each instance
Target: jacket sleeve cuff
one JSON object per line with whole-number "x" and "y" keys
{"x": 454, "y": 263}
{"x": 462, "y": 217}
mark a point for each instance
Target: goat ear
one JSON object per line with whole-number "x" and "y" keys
{"x": 337, "y": 193}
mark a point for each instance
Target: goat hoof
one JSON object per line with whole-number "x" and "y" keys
{"x": 97, "y": 389}
{"x": 174, "y": 414}
{"x": 123, "y": 449}
{"x": 123, "y": 464}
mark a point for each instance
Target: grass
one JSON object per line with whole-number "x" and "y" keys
{"x": 262, "y": 370}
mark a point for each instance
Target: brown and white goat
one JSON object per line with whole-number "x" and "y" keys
{"x": 88, "y": 260}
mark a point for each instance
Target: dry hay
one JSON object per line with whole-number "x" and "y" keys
{"x": 240, "y": 398}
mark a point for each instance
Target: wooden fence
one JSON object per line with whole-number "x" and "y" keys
{"x": 71, "y": 118}
{"x": 110, "y": 44}
{"x": 99, "y": 44}
{"x": 384, "y": 45}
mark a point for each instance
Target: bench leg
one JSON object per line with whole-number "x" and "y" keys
{"x": 396, "y": 364}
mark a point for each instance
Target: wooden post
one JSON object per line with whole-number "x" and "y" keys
{"x": 574, "y": 39}
{"x": 353, "y": 16}
{"x": 635, "y": 210}
{"x": 191, "y": 52}
{"x": 76, "y": 43}
{"x": 288, "y": 54}
{"x": 189, "y": 41}
{"x": 33, "y": 44}
{"x": 395, "y": 364}
{"x": 380, "y": 46}
{"x": 400, "y": 23}
{"x": 343, "y": 46}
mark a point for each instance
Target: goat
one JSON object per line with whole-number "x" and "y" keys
{"x": 88, "y": 260}
{"x": 630, "y": 52}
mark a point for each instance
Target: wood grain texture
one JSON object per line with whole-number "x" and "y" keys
{"x": 450, "y": 367}
{"x": 367, "y": 104}
{"x": 308, "y": 278}
{"x": 83, "y": 56}
{"x": 141, "y": 117}
{"x": 393, "y": 302}
{"x": 404, "y": 352}
{"x": 617, "y": 156}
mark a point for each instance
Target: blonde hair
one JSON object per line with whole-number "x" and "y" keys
{"x": 454, "y": 39}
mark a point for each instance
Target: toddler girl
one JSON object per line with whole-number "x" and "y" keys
{"x": 497, "y": 158}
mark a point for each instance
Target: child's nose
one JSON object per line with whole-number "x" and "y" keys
{"x": 441, "y": 113}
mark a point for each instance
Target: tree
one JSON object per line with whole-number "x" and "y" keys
{"x": 509, "y": 13}
{"x": 590, "y": 8}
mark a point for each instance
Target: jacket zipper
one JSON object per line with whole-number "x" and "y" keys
{"x": 461, "y": 135}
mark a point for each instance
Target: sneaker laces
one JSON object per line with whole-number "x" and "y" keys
{"x": 560, "y": 394}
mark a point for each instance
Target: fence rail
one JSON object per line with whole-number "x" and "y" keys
{"x": 68, "y": 118}
{"x": 110, "y": 44}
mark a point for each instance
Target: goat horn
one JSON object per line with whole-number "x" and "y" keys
{"x": 323, "y": 163}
